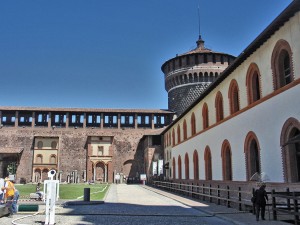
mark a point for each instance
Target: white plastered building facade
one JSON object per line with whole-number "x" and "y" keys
{"x": 246, "y": 119}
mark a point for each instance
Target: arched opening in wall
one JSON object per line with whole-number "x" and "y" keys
{"x": 39, "y": 159}
{"x": 226, "y": 161}
{"x": 253, "y": 83}
{"x": 176, "y": 81}
{"x": 205, "y": 77}
{"x": 208, "y": 164}
{"x": 216, "y": 75}
{"x": 100, "y": 172}
{"x": 234, "y": 97}
{"x": 219, "y": 107}
{"x": 174, "y": 168}
{"x": 281, "y": 64}
{"x": 52, "y": 159}
{"x": 184, "y": 130}
{"x": 252, "y": 155}
{"x": 37, "y": 175}
{"x": 196, "y": 165}
{"x": 205, "y": 116}
{"x": 44, "y": 175}
{"x": 187, "y": 166}
{"x": 173, "y": 137}
{"x": 40, "y": 144}
{"x": 129, "y": 168}
{"x": 191, "y": 78}
{"x": 193, "y": 124}
{"x": 54, "y": 145}
{"x": 290, "y": 141}
{"x": 201, "y": 77}
{"x": 211, "y": 77}
{"x": 178, "y": 134}
{"x": 196, "y": 78}
{"x": 179, "y": 168}
{"x": 186, "y": 80}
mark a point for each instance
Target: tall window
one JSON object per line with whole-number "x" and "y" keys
{"x": 226, "y": 161}
{"x": 179, "y": 168}
{"x": 178, "y": 134}
{"x": 184, "y": 130}
{"x": 219, "y": 107}
{"x": 196, "y": 165}
{"x": 174, "y": 168}
{"x": 253, "y": 83}
{"x": 281, "y": 63}
{"x": 100, "y": 151}
{"x": 252, "y": 155}
{"x": 205, "y": 116}
{"x": 193, "y": 124}
{"x": 289, "y": 140}
{"x": 187, "y": 166}
{"x": 208, "y": 165}
{"x": 173, "y": 137}
{"x": 234, "y": 97}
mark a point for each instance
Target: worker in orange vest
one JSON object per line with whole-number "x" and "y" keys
{"x": 9, "y": 190}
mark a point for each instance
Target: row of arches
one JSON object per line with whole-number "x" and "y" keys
{"x": 41, "y": 159}
{"x": 282, "y": 72}
{"x": 290, "y": 152}
{"x": 206, "y": 77}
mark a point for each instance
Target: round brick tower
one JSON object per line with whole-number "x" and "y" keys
{"x": 189, "y": 74}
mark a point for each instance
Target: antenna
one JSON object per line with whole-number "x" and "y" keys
{"x": 199, "y": 19}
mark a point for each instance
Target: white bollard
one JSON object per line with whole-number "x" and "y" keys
{"x": 51, "y": 194}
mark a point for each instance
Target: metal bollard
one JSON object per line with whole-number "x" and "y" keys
{"x": 86, "y": 196}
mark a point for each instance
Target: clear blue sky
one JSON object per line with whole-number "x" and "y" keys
{"x": 108, "y": 54}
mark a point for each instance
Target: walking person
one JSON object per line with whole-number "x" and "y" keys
{"x": 261, "y": 199}
{"x": 15, "y": 201}
{"x": 9, "y": 190}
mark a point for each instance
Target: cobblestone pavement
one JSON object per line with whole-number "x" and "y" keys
{"x": 140, "y": 204}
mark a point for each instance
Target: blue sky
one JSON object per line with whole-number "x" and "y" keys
{"x": 108, "y": 54}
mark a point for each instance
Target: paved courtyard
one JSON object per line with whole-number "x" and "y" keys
{"x": 140, "y": 204}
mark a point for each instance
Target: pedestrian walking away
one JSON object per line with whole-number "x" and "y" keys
{"x": 260, "y": 199}
{"x": 15, "y": 201}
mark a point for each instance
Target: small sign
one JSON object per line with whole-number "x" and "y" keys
{"x": 143, "y": 177}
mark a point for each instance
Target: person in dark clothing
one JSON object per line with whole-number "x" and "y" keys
{"x": 260, "y": 201}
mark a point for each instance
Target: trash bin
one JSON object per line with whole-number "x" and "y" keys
{"x": 86, "y": 195}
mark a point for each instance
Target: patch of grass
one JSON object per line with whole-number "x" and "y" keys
{"x": 69, "y": 191}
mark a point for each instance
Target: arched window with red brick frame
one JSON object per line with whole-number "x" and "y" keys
{"x": 208, "y": 163}
{"x": 178, "y": 134}
{"x": 252, "y": 155}
{"x": 196, "y": 165}
{"x": 205, "y": 116}
{"x": 219, "y": 107}
{"x": 193, "y": 124}
{"x": 226, "y": 161}
{"x": 174, "y": 168}
{"x": 179, "y": 168}
{"x": 184, "y": 130}
{"x": 253, "y": 83}
{"x": 233, "y": 96}
{"x": 173, "y": 137}
{"x": 289, "y": 141}
{"x": 282, "y": 64}
{"x": 187, "y": 166}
